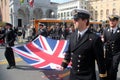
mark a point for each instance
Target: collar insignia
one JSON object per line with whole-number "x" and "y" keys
{"x": 108, "y": 30}
{"x": 118, "y": 31}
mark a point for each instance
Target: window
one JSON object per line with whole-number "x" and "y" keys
{"x": 114, "y": 11}
{"x": 68, "y": 14}
{"x": 96, "y": 14}
{"x": 61, "y": 14}
{"x": 107, "y": 12}
{"x": 114, "y": 4}
{"x": 91, "y": 15}
{"x": 64, "y": 14}
{"x": 58, "y": 15}
{"x": 101, "y": 14}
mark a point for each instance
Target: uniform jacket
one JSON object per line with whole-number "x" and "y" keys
{"x": 9, "y": 37}
{"x": 112, "y": 41}
{"x": 42, "y": 32}
{"x": 83, "y": 54}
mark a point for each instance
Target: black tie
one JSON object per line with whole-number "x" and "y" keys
{"x": 79, "y": 37}
{"x": 112, "y": 32}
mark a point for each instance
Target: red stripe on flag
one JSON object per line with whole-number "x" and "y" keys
{"x": 22, "y": 54}
{"x": 48, "y": 58}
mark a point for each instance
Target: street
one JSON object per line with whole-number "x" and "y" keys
{"x": 25, "y": 72}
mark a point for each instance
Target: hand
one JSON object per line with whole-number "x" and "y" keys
{"x": 60, "y": 68}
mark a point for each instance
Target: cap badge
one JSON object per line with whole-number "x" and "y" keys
{"x": 111, "y": 17}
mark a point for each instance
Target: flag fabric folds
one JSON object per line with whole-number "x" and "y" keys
{"x": 44, "y": 53}
{"x": 31, "y": 2}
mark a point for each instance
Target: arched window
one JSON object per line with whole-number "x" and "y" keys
{"x": 114, "y": 11}
{"x": 91, "y": 15}
{"x": 96, "y": 14}
{"x": 61, "y": 14}
{"x": 107, "y": 12}
{"x": 101, "y": 14}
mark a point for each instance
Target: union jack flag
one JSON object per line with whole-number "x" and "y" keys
{"x": 43, "y": 52}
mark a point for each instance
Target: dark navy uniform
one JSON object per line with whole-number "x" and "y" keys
{"x": 83, "y": 53}
{"x": 9, "y": 37}
{"x": 112, "y": 46}
{"x": 41, "y": 31}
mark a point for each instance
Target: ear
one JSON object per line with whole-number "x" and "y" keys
{"x": 85, "y": 20}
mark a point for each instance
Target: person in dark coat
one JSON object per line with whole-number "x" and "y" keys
{"x": 112, "y": 47}
{"x": 9, "y": 37}
{"x": 42, "y": 30}
{"x": 84, "y": 48}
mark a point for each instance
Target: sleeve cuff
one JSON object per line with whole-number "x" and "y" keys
{"x": 103, "y": 75}
{"x": 64, "y": 63}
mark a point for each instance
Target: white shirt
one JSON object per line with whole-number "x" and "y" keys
{"x": 114, "y": 29}
{"x": 82, "y": 32}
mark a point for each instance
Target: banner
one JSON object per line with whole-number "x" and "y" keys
{"x": 43, "y": 52}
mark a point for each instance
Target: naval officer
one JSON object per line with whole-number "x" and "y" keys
{"x": 84, "y": 48}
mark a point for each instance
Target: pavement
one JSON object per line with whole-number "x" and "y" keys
{"x": 23, "y": 71}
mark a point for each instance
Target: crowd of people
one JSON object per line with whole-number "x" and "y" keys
{"x": 85, "y": 45}
{"x": 56, "y": 31}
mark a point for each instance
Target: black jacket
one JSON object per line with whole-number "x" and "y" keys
{"x": 83, "y": 54}
{"x": 112, "y": 42}
{"x": 9, "y": 37}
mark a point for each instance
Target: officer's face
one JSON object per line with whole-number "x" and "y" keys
{"x": 7, "y": 27}
{"x": 113, "y": 23}
{"x": 79, "y": 23}
{"x": 40, "y": 26}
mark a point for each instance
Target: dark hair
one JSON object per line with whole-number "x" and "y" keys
{"x": 8, "y": 24}
{"x": 40, "y": 24}
{"x": 82, "y": 16}
{"x": 87, "y": 22}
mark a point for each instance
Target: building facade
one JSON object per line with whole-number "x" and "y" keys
{"x": 21, "y": 14}
{"x": 4, "y": 10}
{"x": 64, "y": 9}
{"x": 101, "y": 9}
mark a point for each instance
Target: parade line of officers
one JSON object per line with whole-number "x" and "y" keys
{"x": 85, "y": 46}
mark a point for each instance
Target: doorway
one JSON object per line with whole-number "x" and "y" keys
{"x": 19, "y": 22}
